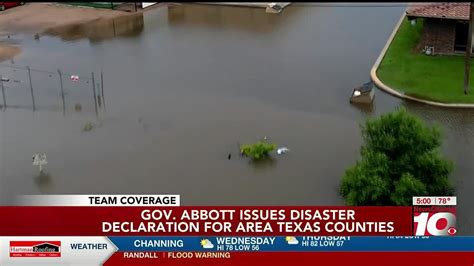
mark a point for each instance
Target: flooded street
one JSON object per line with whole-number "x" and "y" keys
{"x": 185, "y": 84}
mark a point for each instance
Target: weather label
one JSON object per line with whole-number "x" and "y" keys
{"x": 239, "y": 243}
{"x": 274, "y": 243}
{"x": 321, "y": 241}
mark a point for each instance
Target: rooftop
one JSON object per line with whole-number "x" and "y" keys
{"x": 446, "y": 10}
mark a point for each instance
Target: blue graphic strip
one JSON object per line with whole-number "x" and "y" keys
{"x": 279, "y": 243}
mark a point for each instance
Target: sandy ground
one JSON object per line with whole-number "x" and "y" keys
{"x": 8, "y": 51}
{"x": 35, "y": 17}
{"x": 39, "y": 17}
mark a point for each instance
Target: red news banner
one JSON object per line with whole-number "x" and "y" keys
{"x": 199, "y": 221}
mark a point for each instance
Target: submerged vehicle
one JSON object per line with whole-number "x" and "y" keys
{"x": 363, "y": 94}
{"x": 273, "y": 8}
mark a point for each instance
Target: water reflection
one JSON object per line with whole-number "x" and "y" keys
{"x": 367, "y": 109}
{"x": 263, "y": 164}
{"x": 236, "y": 18}
{"x": 455, "y": 119}
{"x": 44, "y": 181}
{"x": 98, "y": 30}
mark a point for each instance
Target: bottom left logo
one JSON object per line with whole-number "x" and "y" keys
{"x": 35, "y": 248}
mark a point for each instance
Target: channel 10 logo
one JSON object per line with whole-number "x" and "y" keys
{"x": 434, "y": 221}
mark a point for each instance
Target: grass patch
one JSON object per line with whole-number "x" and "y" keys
{"x": 437, "y": 78}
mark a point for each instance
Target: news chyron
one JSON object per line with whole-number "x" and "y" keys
{"x": 156, "y": 229}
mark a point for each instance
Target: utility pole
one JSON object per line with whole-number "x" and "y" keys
{"x": 467, "y": 64}
{"x": 95, "y": 94}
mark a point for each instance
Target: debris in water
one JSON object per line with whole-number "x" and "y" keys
{"x": 282, "y": 150}
{"x": 240, "y": 149}
{"x": 273, "y": 8}
{"x": 74, "y": 77}
{"x": 78, "y": 107}
{"x": 229, "y": 156}
{"x": 40, "y": 160}
{"x": 88, "y": 126}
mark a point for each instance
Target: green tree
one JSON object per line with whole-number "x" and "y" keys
{"x": 400, "y": 158}
{"x": 258, "y": 150}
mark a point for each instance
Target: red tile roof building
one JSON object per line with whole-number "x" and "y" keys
{"x": 445, "y": 26}
{"x": 456, "y": 11}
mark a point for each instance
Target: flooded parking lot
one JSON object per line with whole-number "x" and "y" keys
{"x": 184, "y": 84}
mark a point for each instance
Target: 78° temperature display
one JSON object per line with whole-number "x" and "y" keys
{"x": 450, "y": 201}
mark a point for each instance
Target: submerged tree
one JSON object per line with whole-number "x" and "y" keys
{"x": 257, "y": 151}
{"x": 400, "y": 158}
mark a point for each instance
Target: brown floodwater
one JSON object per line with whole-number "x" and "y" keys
{"x": 185, "y": 84}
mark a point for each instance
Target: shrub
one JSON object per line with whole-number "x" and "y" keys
{"x": 400, "y": 159}
{"x": 258, "y": 150}
{"x": 88, "y": 126}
